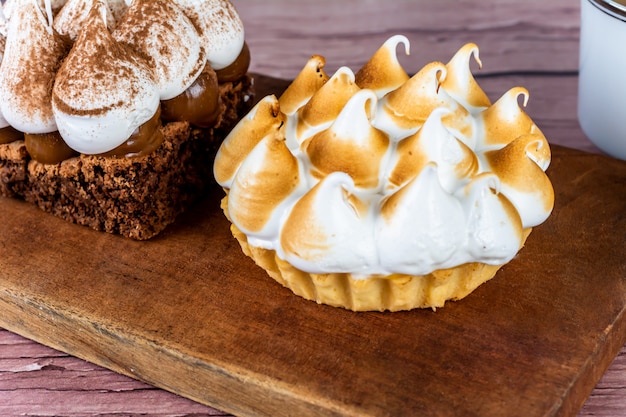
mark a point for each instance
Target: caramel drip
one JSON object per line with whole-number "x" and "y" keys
{"x": 9, "y": 134}
{"x": 144, "y": 140}
{"x": 198, "y": 105}
{"x": 48, "y": 148}
{"x": 237, "y": 69}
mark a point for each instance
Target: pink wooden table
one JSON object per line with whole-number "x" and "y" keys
{"x": 533, "y": 43}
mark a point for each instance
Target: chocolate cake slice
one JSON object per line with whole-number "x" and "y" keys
{"x": 134, "y": 197}
{"x": 118, "y": 115}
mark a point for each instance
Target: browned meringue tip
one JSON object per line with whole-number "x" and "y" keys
{"x": 522, "y": 162}
{"x": 351, "y": 144}
{"x": 327, "y": 102}
{"x": 413, "y": 101}
{"x": 505, "y": 120}
{"x": 310, "y": 79}
{"x": 383, "y": 72}
{"x": 460, "y": 82}
{"x": 260, "y": 188}
{"x": 260, "y": 121}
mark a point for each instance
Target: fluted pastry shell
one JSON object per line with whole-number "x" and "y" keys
{"x": 395, "y": 292}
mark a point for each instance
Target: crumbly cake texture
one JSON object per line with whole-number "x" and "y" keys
{"x": 13, "y": 168}
{"x": 136, "y": 197}
{"x": 395, "y": 292}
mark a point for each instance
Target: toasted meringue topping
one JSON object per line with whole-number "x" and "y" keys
{"x": 32, "y": 56}
{"x": 328, "y": 231}
{"x": 220, "y": 27}
{"x": 434, "y": 143}
{"x": 493, "y": 224}
{"x": 427, "y": 175}
{"x": 436, "y": 226}
{"x": 95, "y": 114}
{"x": 520, "y": 165}
{"x": 160, "y": 31}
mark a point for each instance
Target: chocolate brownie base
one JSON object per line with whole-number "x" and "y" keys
{"x": 134, "y": 197}
{"x": 13, "y": 163}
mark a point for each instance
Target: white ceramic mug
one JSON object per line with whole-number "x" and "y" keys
{"x": 602, "y": 77}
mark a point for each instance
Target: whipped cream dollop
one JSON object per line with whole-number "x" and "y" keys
{"x": 95, "y": 114}
{"x": 165, "y": 35}
{"x": 96, "y": 70}
{"x": 32, "y": 55}
{"x": 72, "y": 16}
{"x": 220, "y": 28}
{"x": 3, "y": 39}
{"x": 53, "y": 5}
{"x": 380, "y": 173}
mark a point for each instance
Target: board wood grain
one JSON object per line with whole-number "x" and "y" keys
{"x": 534, "y": 43}
{"x": 189, "y": 313}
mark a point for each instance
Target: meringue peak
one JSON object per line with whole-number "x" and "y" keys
{"x": 263, "y": 182}
{"x": 460, "y": 82}
{"x": 505, "y": 121}
{"x": 264, "y": 118}
{"x": 383, "y": 72}
{"x": 326, "y": 104}
{"x": 351, "y": 144}
{"x": 310, "y": 79}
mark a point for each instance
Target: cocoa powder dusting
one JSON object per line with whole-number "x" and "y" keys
{"x": 31, "y": 64}
{"x": 158, "y": 30}
{"x": 96, "y": 67}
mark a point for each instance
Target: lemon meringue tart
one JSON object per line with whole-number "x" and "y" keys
{"x": 377, "y": 190}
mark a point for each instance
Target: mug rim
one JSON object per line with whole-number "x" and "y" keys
{"x": 614, "y": 8}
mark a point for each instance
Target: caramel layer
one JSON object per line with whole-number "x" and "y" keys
{"x": 237, "y": 69}
{"x": 198, "y": 105}
{"x": 48, "y": 148}
{"x": 145, "y": 139}
{"x": 9, "y": 134}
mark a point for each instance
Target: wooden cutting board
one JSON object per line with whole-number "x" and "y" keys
{"x": 188, "y": 312}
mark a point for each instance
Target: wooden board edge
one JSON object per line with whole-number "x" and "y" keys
{"x": 607, "y": 348}
{"x": 222, "y": 387}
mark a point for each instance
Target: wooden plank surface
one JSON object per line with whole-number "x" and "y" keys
{"x": 530, "y": 43}
{"x": 188, "y": 312}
